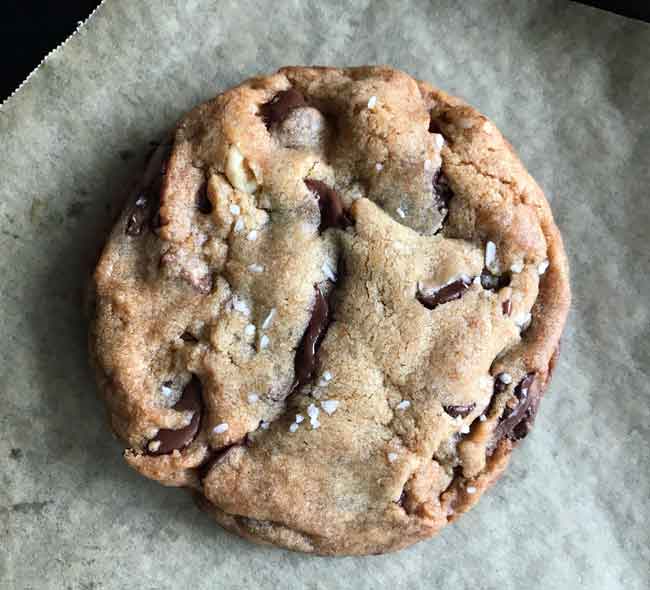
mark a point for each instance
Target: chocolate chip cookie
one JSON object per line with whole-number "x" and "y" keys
{"x": 330, "y": 308}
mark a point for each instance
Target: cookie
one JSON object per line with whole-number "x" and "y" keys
{"x": 330, "y": 309}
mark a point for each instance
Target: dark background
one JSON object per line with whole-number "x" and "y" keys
{"x": 29, "y": 29}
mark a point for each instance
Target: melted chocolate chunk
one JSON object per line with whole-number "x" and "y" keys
{"x": 277, "y": 109}
{"x": 332, "y": 213}
{"x": 187, "y": 337}
{"x": 305, "y": 360}
{"x": 462, "y": 411}
{"x": 203, "y": 203}
{"x": 445, "y": 294}
{"x": 494, "y": 282}
{"x": 191, "y": 401}
{"x": 442, "y": 191}
{"x": 517, "y": 421}
{"x": 506, "y": 307}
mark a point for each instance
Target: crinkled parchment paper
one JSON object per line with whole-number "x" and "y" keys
{"x": 568, "y": 85}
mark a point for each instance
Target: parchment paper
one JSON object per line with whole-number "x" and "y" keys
{"x": 567, "y": 84}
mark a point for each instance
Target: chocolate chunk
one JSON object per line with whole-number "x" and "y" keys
{"x": 442, "y": 191}
{"x": 187, "y": 337}
{"x": 139, "y": 216}
{"x": 516, "y": 421}
{"x": 202, "y": 201}
{"x": 332, "y": 213}
{"x": 280, "y": 105}
{"x": 494, "y": 282}
{"x": 305, "y": 360}
{"x": 506, "y": 307}
{"x": 499, "y": 384}
{"x": 462, "y": 411}
{"x": 445, "y": 294}
{"x": 191, "y": 401}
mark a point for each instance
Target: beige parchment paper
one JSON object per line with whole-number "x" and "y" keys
{"x": 567, "y": 84}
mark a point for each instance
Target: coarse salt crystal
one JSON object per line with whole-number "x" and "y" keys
{"x": 379, "y": 166}
{"x": 327, "y": 376}
{"x": 166, "y": 391}
{"x": 471, "y": 489}
{"x": 314, "y": 423}
{"x": 239, "y": 225}
{"x": 490, "y": 255}
{"x": 329, "y": 406}
{"x": 477, "y": 280}
{"x": 482, "y": 418}
{"x": 264, "y": 342}
{"x": 400, "y": 212}
{"x": 220, "y": 428}
{"x": 252, "y": 235}
{"x": 523, "y": 320}
{"x": 234, "y": 209}
{"x": 256, "y": 268}
{"x": 241, "y": 306}
{"x": 505, "y": 378}
{"x": 464, "y": 429}
{"x": 392, "y": 457}
{"x": 438, "y": 140}
{"x": 252, "y": 398}
{"x": 517, "y": 267}
{"x": 268, "y": 319}
{"x": 249, "y": 330}
{"x": 312, "y": 411}
{"x": 264, "y": 425}
{"x": 299, "y": 418}
{"x": 403, "y": 405}
{"x": 328, "y": 272}
{"x": 372, "y": 102}
{"x": 542, "y": 267}
{"x": 293, "y": 427}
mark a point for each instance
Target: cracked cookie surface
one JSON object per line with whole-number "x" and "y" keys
{"x": 330, "y": 308}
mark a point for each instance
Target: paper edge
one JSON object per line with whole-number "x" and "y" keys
{"x": 52, "y": 52}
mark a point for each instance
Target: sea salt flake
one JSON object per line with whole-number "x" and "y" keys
{"x": 249, "y": 330}
{"x": 241, "y": 306}
{"x": 253, "y": 398}
{"x": 166, "y": 391}
{"x": 328, "y": 272}
{"x": 255, "y": 268}
{"x": 264, "y": 425}
{"x": 327, "y": 376}
{"x": 329, "y": 406}
{"x": 438, "y": 140}
{"x": 372, "y": 102}
{"x": 234, "y": 209}
{"x": 268, "y": 319}
{"x": 505, "y": 378}
{"x": 252, "y": 235}
{"x": 299, "y": 418}
{"x": 379, "y": 166}
{"x": 220, "y": 428}
{"x": 542, "y": 267}
{"x": 400, "y": 212}
{"x": 471, "y": 489}
{"x": 392, "y": 457}
{"x": 490, "y": 255}
{"x": 293, "y": 427}
{"x": 264, "y": 342}
{"x": 239, "y": 225}
{"x": 517, "y": 267}
{"x": 403, "y": 405}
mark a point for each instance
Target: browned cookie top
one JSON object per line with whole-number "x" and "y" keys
{"x": 331, "y": 308}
